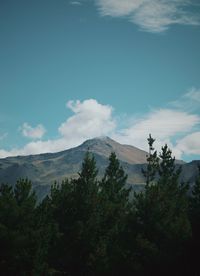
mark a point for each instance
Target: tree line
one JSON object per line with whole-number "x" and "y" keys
{"x": 87, "y": 226}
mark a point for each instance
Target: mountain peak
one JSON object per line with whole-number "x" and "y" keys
{"x": 104, "y": 145}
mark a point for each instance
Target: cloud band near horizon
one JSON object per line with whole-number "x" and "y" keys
{"x": 175, "y": 126}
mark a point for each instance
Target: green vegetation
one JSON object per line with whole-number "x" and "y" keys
{"x": 87, "y": 226}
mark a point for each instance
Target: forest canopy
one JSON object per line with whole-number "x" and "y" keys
{"x": 92, "y": 226}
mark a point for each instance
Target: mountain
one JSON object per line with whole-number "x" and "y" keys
{"x": 44, "y": 169}
{"x": 104, "y": 146}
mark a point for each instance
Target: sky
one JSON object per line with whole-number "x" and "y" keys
{"x": 75, "y": 70}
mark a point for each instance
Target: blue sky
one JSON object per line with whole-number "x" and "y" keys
{"x": 73, "y": 70}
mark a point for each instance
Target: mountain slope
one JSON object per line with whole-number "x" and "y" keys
{"x": 45, "y": 169}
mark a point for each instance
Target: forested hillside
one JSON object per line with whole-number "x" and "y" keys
{"x": 45, "y": 169}
{"x": 92, "y": 226}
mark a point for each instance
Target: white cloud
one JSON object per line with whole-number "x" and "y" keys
{"x": 162, "y": 124}
{"x": 118, "y": 7}
{"x": 150, "y": 15}
{"x": 37, "y": 147}
{"x": 190, "y": 101}
{"x": 193, "y": 95}
{"x": 190, "y": 144}
{"x": 32, "y": 132}
{"x": 179, "y": 129}
{"x": 75, "y": 3}
{"x": 91, "y": 119}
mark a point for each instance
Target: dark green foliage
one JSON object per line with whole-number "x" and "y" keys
{"x": 74, "y": 207}
{"x": 46, "y": 234}
{"x": 113, "y": 209}
{"x": 152, "y": 162}
{"x": 162, "y": 209}
{"x": 114, "y": 180}
{"x": 17, "y": 235}
{"x": 87, "y": 226}
{"x": 194, "y": 215}
{"x": 195, "y": 200}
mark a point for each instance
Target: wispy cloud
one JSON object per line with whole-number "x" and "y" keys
{"x": 189, "y": 144}
{"x": 32, "y": 132}
{"x": 151, "y": 15}
{"x": 193, "y": 94}
{"x": 75, "y": 3}
{"x": 3, "y": 136}
{"x": 163, "y": 124}
{"x": 190, "y": 101}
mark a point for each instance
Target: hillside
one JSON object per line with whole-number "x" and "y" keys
{"x": 45, "y": 169}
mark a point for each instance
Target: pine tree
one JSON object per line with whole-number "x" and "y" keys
{"x": 74, "y": 204}
{"x": 194, "y": 215}
{"x": 114, "y": 181}
{"x": 195, "y": 200}
{"x": 173, "y": 199}
{"x": 8, "y": 219}
{"x": 17, "y": 224}
{"x": 152, "y": 163}
{"x": 162, "y": 208}
{"x": 113, "y": 209}
{"x": 86, "y": 186}
{"x": 47, "y": 235}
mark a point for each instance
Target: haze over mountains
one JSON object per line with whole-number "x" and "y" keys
{"x": 44, "y": 169}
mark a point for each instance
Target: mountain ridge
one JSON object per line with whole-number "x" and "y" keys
{"x": 106, "y": 145}
{"x": 46, "y": 168}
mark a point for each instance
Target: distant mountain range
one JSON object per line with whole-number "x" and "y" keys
{"x": 44, "y": 169}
